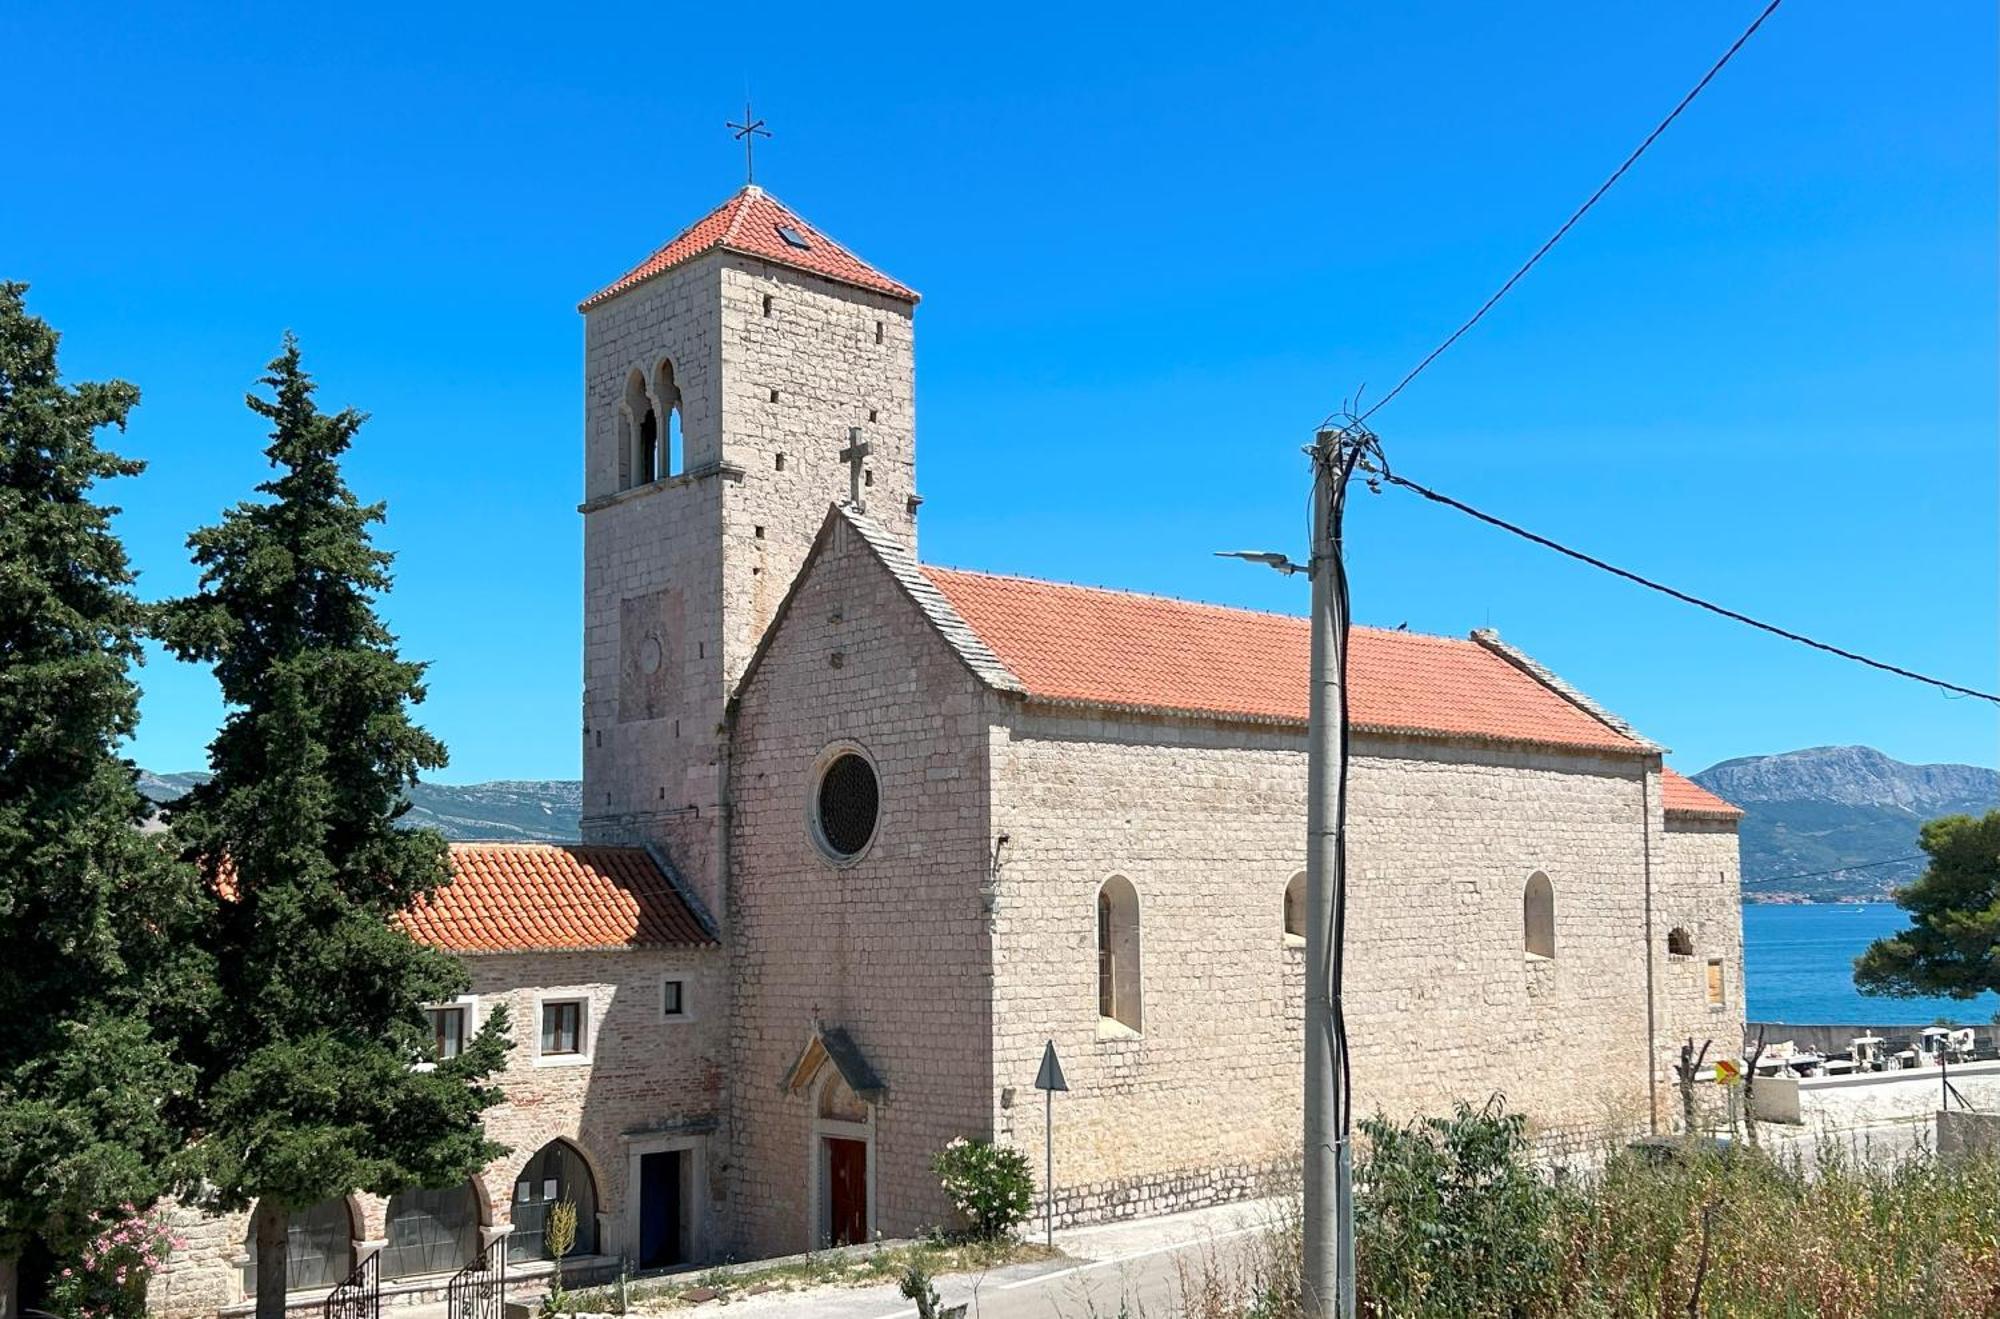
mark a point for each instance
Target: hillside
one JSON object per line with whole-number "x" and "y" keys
{"x": 1824, "y": 807}
{"x": 502, "y": 811}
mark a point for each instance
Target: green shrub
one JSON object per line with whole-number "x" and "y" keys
{"x": 989, "y": 1185}
{"x": 1451, "y": 1217}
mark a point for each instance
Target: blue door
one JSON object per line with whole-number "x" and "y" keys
{"x": 660, "y": 1210}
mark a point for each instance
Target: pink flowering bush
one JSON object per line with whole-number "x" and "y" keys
{"x": 990, "y": 1185}
{"x": 108, "y": 1279}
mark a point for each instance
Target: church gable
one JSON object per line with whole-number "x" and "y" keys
{"x": 852, "y": 536}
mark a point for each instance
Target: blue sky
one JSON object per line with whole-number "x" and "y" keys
{"x": 1155, "y": 247}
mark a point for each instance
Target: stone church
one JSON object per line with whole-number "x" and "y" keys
{"x": 862, "y": 833}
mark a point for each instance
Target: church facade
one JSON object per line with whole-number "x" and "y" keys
{"x": 897, "y": 826}
{"x": 945, "y": 817}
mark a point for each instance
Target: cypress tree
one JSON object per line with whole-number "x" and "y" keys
{"x": 311, "y": 1087}
{"x": 95, "y": 962}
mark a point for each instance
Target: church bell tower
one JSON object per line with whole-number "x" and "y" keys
{"x": 723, "y": 377}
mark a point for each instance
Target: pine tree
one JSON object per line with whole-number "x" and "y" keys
{"x": 310, "y": 1083}
{"x": 1952, "y": 945}
{"x": 96, "y": 970}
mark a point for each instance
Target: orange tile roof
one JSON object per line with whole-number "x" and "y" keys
{"x": 538, "y": 897}
{"x": 749, "y": 223}
{"x": 1681, "y": 795}
{"x": 1114, "y": 648}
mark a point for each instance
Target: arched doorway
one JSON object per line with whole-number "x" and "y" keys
{"x": 432, "y": 1231}
{"x": 319, "y": 1247}
{"x": 556, "y": 1174}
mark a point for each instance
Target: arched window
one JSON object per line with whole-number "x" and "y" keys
{"x": 1118, "y": 953}
{"x": 1538, "y": 916}
{"x": 319, "y": 1248}
{"x": 667, "y": 399}
{"x": 649, "y": 446}
{"x": 556, "y": 1173}
{"x": 432, "y": 1231}
{"x": 1679, "y": 942}
{"x": 636, "y": 458}
{"x": 1295, "y": 909}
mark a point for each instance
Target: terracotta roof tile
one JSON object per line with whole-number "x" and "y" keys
{"x": 750, "y": 223}
{"x": 535, "y": 897}
{"x": 1115, "y": 648}
{"x": 1680, "y": 795}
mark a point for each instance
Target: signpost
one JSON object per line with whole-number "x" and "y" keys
{"x": 1049, "y": 1080}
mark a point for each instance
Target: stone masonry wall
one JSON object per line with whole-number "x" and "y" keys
{"x": 817, "y": 350}
{"x": 892, "y": 947}
{"x": 644, "y": 1075}
{"x": 1696, "y": 888}
{"x": 773, "y": 367}
{"x": 1443, "y": 1002}
{"x": 652, "y": 569}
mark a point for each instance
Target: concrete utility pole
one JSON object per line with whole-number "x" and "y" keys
{"x": 1329, "y": 1208}
{"x": 1329, "y": 1205}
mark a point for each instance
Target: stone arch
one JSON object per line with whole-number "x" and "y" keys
{"x": 319, "y": 1245}
{"x": 1295, "y": 909}
{"x": 1538, "y": 916}
{"x": 1680, "y": 943}
{"x": 666, "y": 397}
{"x": 432, "y": 1230}
{"x": 637, "y": 462}
{"x": 560, "y": 1170}
{"x": 1119, "y": 971}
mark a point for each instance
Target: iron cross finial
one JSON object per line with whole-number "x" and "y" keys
{"x": 747, "y": 133}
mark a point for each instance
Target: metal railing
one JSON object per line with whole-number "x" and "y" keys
{"x": 360, "y": 1296}
{"x": 479, "y": 1290}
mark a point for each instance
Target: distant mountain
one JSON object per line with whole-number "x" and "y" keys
{"x": 527, "y": 810}
{"x": 1825, "y": 807}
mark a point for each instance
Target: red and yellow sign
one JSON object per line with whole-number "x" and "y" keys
{"x": 1727, "y": 1072}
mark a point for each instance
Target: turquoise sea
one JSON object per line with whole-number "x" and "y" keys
{"x": 1799, "y": 965}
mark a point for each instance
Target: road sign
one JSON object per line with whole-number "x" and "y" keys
{"x": 1048, "y": 1080}
{"x": 1050, "y": 1077}
{"x": 1727, "y": 1072}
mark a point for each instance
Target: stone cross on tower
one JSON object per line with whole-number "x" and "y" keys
{"x": 854, "y": 455}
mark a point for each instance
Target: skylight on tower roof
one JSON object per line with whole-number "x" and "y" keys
{"x": 793, "y": 238}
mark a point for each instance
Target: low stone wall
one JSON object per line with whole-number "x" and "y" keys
{"x": 1835, "y": 1038}
{"x": 1146, "y": 1197}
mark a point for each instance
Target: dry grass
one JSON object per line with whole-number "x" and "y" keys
{"x": 1908, "y": 1238}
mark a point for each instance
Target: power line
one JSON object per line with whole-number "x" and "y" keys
{"x": 1381, "y": 473}
{"x": 1841, "y": 870}
{"x": 1570, "y": 223}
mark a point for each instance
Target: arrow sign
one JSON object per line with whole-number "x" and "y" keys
{"x": 1050, "y": 1077}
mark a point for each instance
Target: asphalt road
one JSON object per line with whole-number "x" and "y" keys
{"x": 1133, "y": 1267}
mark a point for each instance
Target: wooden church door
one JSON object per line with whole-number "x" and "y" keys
{"x": 847, "y": 1191}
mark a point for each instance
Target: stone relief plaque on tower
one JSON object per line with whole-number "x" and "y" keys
{"x": 649, "y": 640}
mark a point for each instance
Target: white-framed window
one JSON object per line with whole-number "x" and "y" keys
{"x": 452, "y": 1026}
{"x": 1718, "y": 994}
{"x": 562, "y": 1030}
{"x": 676, "y": 999}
